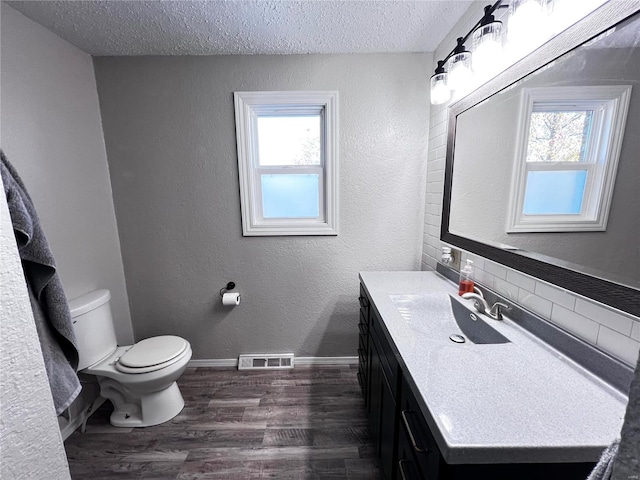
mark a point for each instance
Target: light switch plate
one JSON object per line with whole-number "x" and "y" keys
{"x": 457, "y": 255}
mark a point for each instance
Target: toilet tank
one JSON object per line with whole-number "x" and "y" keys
{"x": 93, "y": 326}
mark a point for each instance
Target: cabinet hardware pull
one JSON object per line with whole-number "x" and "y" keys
{"x": 401, "y": 469}
{"x": 363, "y": 301}
{"x": 411, "y": 437}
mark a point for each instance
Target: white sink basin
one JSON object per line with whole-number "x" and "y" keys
{"x": 441, "y": 314}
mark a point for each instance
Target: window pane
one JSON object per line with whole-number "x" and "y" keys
{"x": 559, "y": 136}
{"x": 557, "y": 192}
{"x": 290, "y": 195}
{"x": 290, "y": 140}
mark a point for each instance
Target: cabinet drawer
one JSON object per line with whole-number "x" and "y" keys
{"x": 414, "y": 429}
{"x": 407, "y": 466}
{"x": 364, "y": 300}
{"x": 362, "y": 357}
{"x": 364, "y": 330}
{"x": 362, "y": 344}
{"x": 364, "y": 322}
{"x": 388, "y": 360}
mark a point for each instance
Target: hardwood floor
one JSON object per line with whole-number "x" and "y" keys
{"x": 305, "y": 423}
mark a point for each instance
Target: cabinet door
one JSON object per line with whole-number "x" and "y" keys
{"x": 414, "y": 429}
{"x": 382, "y": 416}
{"x": 375, "y": 396}
{"x": 407, "y": 467}
{"x": 387, "y": 428}
{"x": 363, "y": 357}
{"x": 363, "y": 346}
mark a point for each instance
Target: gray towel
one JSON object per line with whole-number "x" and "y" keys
{"x": 63, "y": 380}
{"x": 603, "y": 468}
{"x": 40, "y": 272}
{"x": 627, "y": 462}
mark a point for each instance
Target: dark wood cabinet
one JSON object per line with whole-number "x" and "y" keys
{"x": 407, "y": 466}
{"x": 403, "y": 441}
{"x": 378, "y": 367}
{"x": 363, "y": 345}
{"x": 423, "y": 450}
{"x": 382, "y": 413}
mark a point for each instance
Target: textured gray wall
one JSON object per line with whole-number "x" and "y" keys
{"x": 170, "y": 136}
{"x": 51, "y": 132}
{"x": 30, "y": 442}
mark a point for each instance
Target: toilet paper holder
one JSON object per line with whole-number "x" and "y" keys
{"x": 230, "y": 286}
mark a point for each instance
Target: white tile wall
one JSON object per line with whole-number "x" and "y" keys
{"x": 612, "y": 331}
{"x": 618, "y": 345}
{"x": 582, "y": 327}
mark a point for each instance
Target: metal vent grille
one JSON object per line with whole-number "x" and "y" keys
{"x": 265, "y": 361}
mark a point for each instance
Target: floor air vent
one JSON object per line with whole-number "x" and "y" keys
{"x": 271, "y": 360}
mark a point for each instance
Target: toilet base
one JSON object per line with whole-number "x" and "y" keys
{"x": 145, "y": 410}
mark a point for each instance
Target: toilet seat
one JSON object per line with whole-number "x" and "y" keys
{"x": 152, "y": 354}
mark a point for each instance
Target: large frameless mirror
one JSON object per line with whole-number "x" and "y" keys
{"x": 543, "y": 168}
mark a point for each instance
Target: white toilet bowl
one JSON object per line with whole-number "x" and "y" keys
{"x": 140, "y": 379}
{"x": 142, "y": 395}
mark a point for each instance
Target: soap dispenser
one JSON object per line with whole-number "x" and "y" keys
{"x": 466, "y": 278}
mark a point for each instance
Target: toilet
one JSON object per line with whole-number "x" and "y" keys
{"x": 140, "y": 379}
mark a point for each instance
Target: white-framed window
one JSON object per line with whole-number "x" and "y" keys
{"x": 569, "y": 141}
{"x": 288, "y": 162}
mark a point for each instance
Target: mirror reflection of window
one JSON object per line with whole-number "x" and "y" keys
{"x": 567, "y": 157}
{"x": 561, "y": 138}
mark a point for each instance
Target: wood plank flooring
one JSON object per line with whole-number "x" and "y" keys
{"x": 304, "y": 423}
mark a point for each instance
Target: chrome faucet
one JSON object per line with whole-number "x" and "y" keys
{"x": 482, "y": 306}
{"x": 479, "y": 302}
{"x": 496, "y": 310}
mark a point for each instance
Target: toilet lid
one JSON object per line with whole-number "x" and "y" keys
{"x": 153, "y": 351}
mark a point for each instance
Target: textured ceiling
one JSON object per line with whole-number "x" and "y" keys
{"x": 247, "y": 26}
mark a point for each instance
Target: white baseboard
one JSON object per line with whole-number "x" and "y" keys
{"x": 326, "y": 360}
{"x": 233, "y": 362}
{"x": 214, "y": 362}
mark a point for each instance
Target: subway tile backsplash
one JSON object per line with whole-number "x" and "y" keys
{"x": 604, "y": 316}
{"x": 534, "y": 303}
{"x": 612, "y": 331}
{"x": 618, "y": 345}
{"x": 555, "y": 295}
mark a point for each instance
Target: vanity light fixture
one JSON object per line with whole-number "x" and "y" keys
{"x": 455, "y": 71}
{"x": 440, "y": 92}
{"x": 458, "y": 66}
{"x": 529, "y": 24}
{"x": 487, "y": 42}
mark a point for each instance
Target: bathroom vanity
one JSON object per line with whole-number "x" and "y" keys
{"x": 501, "y": 405}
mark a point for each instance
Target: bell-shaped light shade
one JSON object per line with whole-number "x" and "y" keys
{"x": 440, "y": 92}
{"x": 487, "y": 47}
{"x": 527, "y": 25}
{"x": 459, "y": 70}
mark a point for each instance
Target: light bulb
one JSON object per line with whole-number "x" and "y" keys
{"x": 440, "y": 92}
{"x": 527, "y": 26}
{"x": 459, "y": 70}
{"x": 487, "y": 47}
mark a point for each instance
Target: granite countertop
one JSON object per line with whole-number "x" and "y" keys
{"x": 517, "y": 402}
